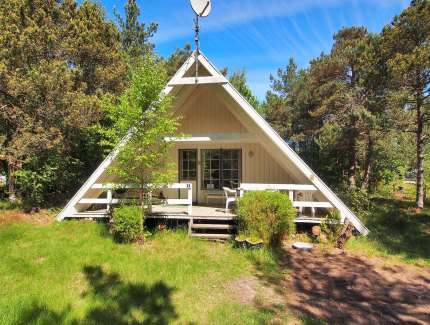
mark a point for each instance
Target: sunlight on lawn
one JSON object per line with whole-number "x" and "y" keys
{"x": 73, "y": 271}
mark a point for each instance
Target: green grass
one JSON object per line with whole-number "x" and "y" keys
{"x": 397, "y": 231}
{"x": 73, "y": 272}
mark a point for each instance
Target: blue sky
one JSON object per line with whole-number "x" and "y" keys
{"x": 261, "y": 35}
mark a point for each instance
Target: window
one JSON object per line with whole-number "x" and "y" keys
{"x": 221, "y": 167}
{"x": 188, "y": 164}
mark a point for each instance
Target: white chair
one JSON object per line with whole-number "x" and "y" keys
{"x": 230, "y": 196}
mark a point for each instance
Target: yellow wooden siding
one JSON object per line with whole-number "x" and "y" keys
{"x": 206, "y": 113}
{"x": 257, "y": 165}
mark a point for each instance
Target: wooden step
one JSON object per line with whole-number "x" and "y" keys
{"x": 212, "y": 226}
{"x": 90, "y": 214}
{"x": 215, "y": 218}
{"x": 212, "y": 236}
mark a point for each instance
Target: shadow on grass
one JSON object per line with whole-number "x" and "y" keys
{"x": 113, "y": 301}
{"x": 395, "y": 226}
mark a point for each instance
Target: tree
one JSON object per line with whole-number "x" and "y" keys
{"x": 279, "y": 108}
{"x": 239, "y": 81}
{"x": 56, "y": 60}
{"x": 408, "y": 40}
{"x": 177, "y": 59}
{"x": 135, "y": 36}
{"x": 334, "y": 113}
{"x": 144, "y": 116}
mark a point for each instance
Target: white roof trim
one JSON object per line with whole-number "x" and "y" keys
{"x": 197, "y": 81}
{"x": 252, "y": 113}
{"x": 295, "y": 158}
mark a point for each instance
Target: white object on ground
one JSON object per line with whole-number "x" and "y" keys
{"x": 302, "y": 245}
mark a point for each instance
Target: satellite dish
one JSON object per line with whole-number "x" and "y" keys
{"x": 201, "y": 7}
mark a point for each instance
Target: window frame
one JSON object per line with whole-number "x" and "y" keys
{"x": 221, "y": 179}
{"x": 188, "y": 170}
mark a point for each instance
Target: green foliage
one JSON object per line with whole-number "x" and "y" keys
{"x": 31, "y": 186}
{"x": 134, "y": 34}
{"x": 353, "y": 113}
{"x": 398, "y": 231}
{"x": 239, "y": 81}
{"x": 266, "y": 215}
{"x": 121, "y": 282}
{"x": 357, "y": 200}
{"x": 6, "y": 204}
{"x": 143, "y": 116}
{"x": 56, "y": 61}
{"x": 48, "y": 180}
{"x": 409, "y": 65}
{"x": 177, "y": 59}
{"x": 127, "y": 223}
{"x": 331, "y": 226}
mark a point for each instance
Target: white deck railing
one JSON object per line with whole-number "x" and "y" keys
{"x": 109, "y": 200}
{"x": 292, "y": 190}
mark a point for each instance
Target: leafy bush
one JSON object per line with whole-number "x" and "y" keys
{"x": 31, "y": 187}
{"x": 267, "y": 215}
{"x": 6, "y": 204}
{"x": 127, "y": 223}
{"x": 358, "y": 201}
{"x": 331, "y": 226}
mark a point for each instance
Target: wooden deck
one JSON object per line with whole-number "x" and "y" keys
{"x": 209, "y": 212}
{"x": 198, "y": 212}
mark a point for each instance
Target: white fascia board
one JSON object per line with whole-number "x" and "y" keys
{"x": 283, "y": 146}
{"x": 70, "y": 209}
{"x": 216, "y": 137}
{"x": 286, "y": 149}
{"x": 198, "y": 81}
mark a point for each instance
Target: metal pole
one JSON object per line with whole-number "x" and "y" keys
{"x": 196, "y": 40}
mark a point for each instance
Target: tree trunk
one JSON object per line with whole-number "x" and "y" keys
{"x": 420, "y": 157}
{"x": 367, "y": 164}
{"x": 347, "y": 231}
{"x": 11, "y": 181}
{"x": 352, "y": 177}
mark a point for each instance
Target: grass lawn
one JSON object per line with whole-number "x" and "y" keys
{"x": 398, "y": 231}
{"x": 72, "y": 272}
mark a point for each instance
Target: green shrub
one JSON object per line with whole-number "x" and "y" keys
{"x": 331, "y": 226}
{"x": 6, "y": 204}
{"x": 267, "y": 215}
{"x": 127, "y": 223}
{"x": 358, "y": 201}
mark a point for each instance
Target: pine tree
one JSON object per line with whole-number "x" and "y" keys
{"x": 408, "y": 41}
{"x": 135, "y": 36}
{"x": 177, "y": 59}
{"x": 239, "y": 81}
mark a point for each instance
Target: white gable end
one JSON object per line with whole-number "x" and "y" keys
{"x": 183, "y": 85}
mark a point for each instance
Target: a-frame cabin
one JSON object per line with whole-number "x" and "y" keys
{"x": 228, "y": 145}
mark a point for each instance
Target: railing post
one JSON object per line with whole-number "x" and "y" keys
{"x": 150, "y": 201}
{"x": 291, "y": 195}
{"x": 109, "y": 200}
{"x": 190, "y": 198}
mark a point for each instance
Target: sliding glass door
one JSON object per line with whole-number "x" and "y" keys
{"x": 221, "y": 168}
